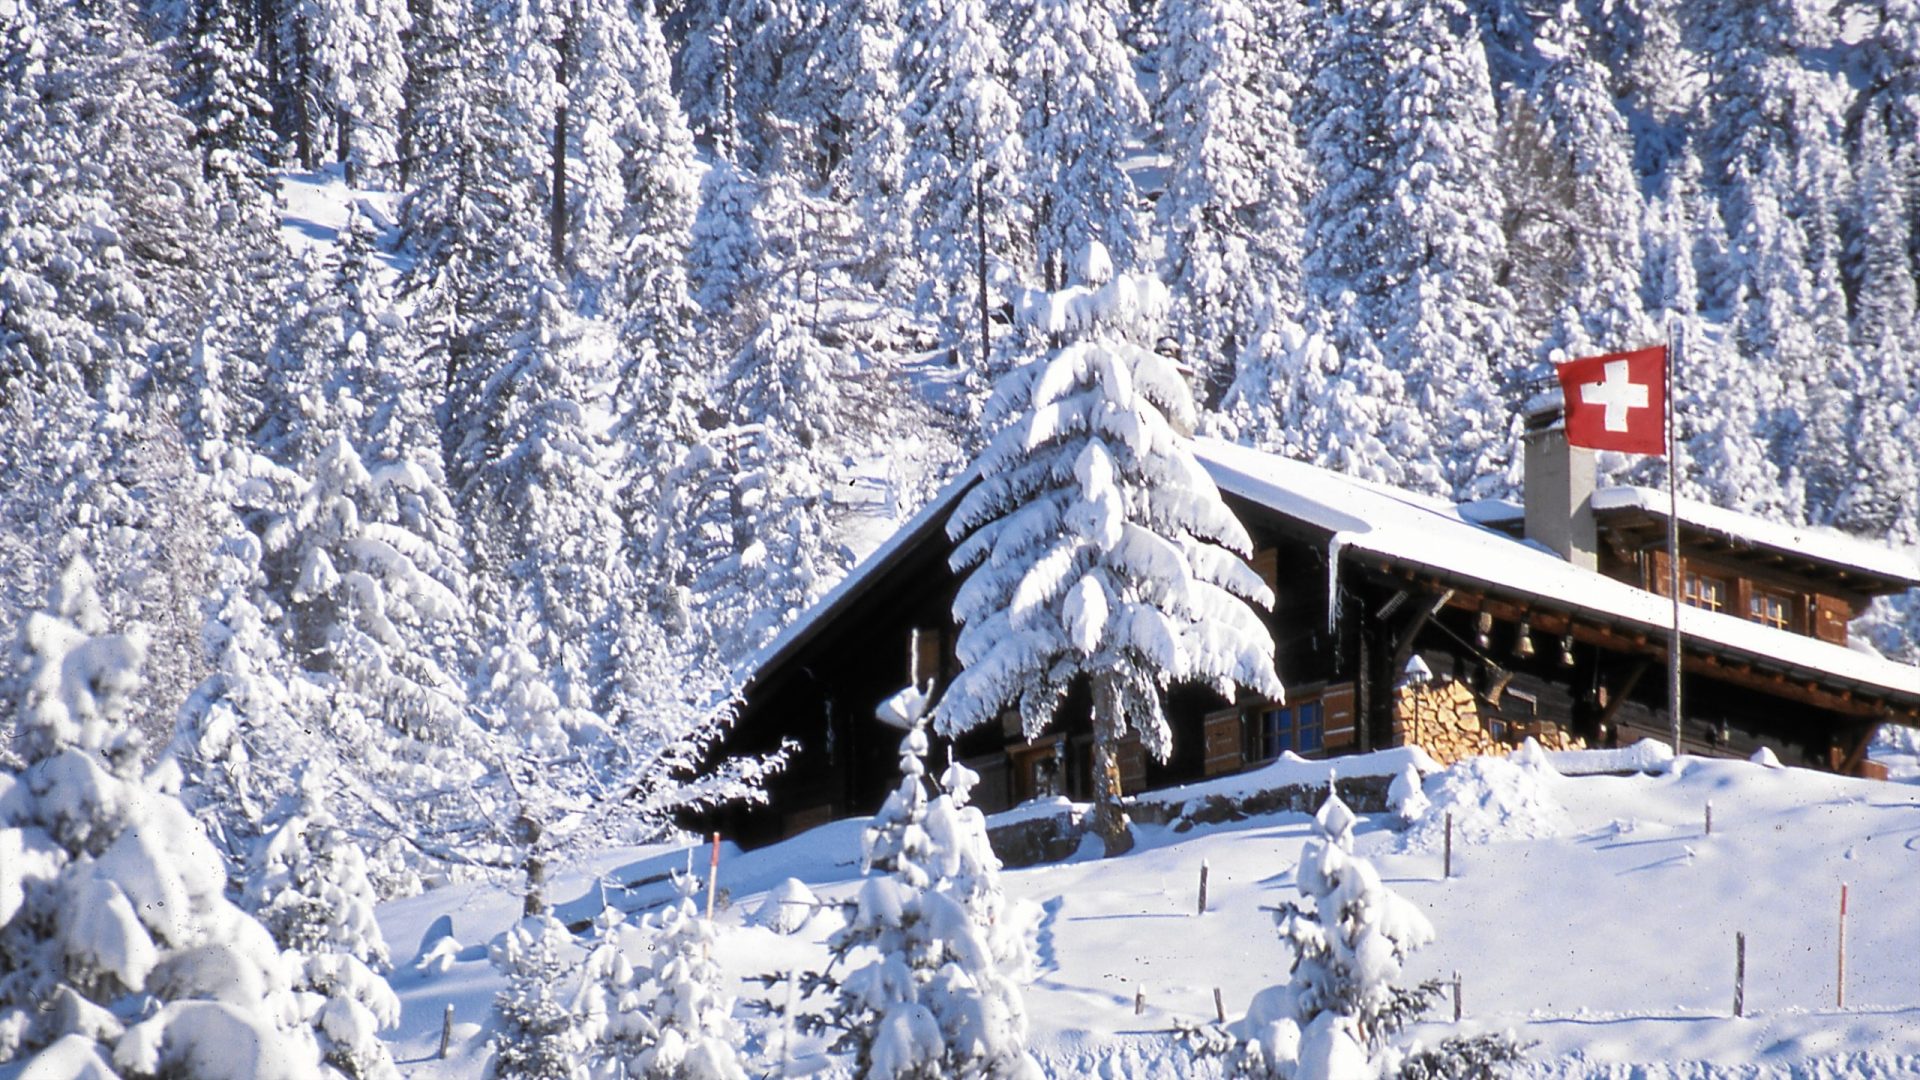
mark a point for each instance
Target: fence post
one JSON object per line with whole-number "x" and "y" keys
{"x": 1219, "y": 1006}
{"x": 713, "y": 875}
{"x": 1709, "y": 817}
{"x": 1447, "y": 872}
{"x": 446, "y": 1031}
{"x": 1456, "y": 997}
{"x": 1740, "y": 973}
{"x": 1203, "y": 887}
{"x": 1139, "y": 999}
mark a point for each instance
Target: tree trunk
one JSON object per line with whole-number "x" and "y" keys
{"x": 980, "y": 240}
{"x": 557, "y": 213}
{"x": 343, "y": 148}
{"x": 536, "y": 866}
{"x": 1109, "y": 819}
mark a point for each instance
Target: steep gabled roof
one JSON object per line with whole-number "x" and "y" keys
{"x": 1447, "y": 541}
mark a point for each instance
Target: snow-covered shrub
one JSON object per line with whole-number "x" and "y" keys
{"x": 668, "y": 1020}
{"x": 119, "y": 952}
{"x": 1336, "y": 1017}
{"x": 941, "y": 999}
{"x": 1405, "y": 797}
{"x": 309, "y": 885}
{"x": 536, "y": 1035}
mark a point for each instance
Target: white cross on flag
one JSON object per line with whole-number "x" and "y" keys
{"x": 1618, "y": 401}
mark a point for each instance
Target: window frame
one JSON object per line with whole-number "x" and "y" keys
{"x": 1759, "y": 611}
{"x": 1298, "y": 726}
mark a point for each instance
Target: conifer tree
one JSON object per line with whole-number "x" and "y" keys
{"x": 669, "y": 1019}
{"x": 117, "y": 944}
{"x": 1402, "y": 245}
{"x": 536, "y": 1036}
{"x": 1238, "y": 176}
{"x": 308, "y": 883}
{"x": 940, "y": 999}
{"x": 963, "y": 166}
{"x": 1080, "y": 105}
{"x": 1094, "y": 545}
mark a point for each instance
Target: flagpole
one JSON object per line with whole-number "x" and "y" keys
{"x": 1673, "y": 533}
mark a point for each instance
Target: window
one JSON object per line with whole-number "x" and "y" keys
{"x": 1298, "y": 728}
{"x": 1706, "y": 592}
{"x": 1770, "y": 609}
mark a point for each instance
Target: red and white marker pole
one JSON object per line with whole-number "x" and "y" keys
{"x": 713, "y": 875}
{"x": 1840, "y": 980}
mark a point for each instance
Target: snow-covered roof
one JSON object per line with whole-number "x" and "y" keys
{"x": 1432, "y": 535}
{"x": 1805, "y": 541}
{"x": 1826, "y": 546}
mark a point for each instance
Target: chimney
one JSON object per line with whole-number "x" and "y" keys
{"x": 1559, "y": 483}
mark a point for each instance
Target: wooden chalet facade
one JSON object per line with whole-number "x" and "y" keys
{"x": 1511, "y": 639}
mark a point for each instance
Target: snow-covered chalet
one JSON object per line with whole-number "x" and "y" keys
{"x": 1400, "y": 619}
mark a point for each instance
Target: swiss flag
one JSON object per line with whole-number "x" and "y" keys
{"x": 1617, "y": 401}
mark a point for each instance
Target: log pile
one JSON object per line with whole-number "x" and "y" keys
{"x": 1444, "y": 720}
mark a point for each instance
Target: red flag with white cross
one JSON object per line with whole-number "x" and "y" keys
{"x": 1617, "y": 401}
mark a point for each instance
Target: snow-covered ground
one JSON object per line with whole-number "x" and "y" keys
{"x": 1591, "y": 914}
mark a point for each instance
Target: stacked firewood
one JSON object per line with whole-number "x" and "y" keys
{"x": 1443, "y": 718}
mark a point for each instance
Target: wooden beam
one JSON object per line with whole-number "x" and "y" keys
{"x": 1857, "y": 753}
{"x": 1617, "y": 698}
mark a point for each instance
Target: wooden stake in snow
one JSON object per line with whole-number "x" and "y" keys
{"x": 1456, "y": 997}
{"x": 1840, "y": 979}
{"x": 1203, "y": 887}
{"x": 1447, "y": 870}
{"x": 786, "y": 1043}
{"x": 1219, "y": 1006}
{"x": 1740, "y": 974}
{"x": 1139, "y": 1000}
{"x": 446, "y": 1032}
{"x": 713, "y": 875}
{"x": 1709, "y": 817}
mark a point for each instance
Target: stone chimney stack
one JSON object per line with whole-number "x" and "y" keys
{"x": 1559, "y": 483}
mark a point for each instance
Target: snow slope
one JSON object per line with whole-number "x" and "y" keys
{"x": 1600, "y": 922}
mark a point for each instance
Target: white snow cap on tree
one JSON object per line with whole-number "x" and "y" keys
{"x": 112, "y": 904}
{"x": 1095, "y": 542}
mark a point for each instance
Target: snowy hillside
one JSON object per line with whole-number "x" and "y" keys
{"x": 1590, "y": 914}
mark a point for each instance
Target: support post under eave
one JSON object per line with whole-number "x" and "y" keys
{"x": 1856, "y": 757}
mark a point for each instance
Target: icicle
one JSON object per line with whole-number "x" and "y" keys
{"x": 1335, "y": 549}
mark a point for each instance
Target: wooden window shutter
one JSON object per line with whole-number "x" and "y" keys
{"x": 1224, "y": 750}
{"x": 1336, "y": 703}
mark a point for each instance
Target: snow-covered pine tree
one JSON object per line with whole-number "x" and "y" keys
{"x": 307, "y": 882}
{"x": 1403, "y": 242}
{"x": 1573, "y": 211}
{"x": 1095, "y": 546}
{"x": 940, "y": 1000}
{"x": 963, "y": 166}
{"x": 1350, "y": 936}
{"x": 1883, "y": 496}
{"x": 1080, "y": 105}
{"x": 119, "y": 952}
{"x": 1235, "y": 184}
{"x": 670, "y": 1019}
{"x": 358, "y": 62}
{"x": 225, "y": 92}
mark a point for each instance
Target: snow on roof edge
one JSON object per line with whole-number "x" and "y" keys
{"x": 1807, "y": 541}
{"x": 1441, "y": 541}
{"x": 796, "y": 633}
